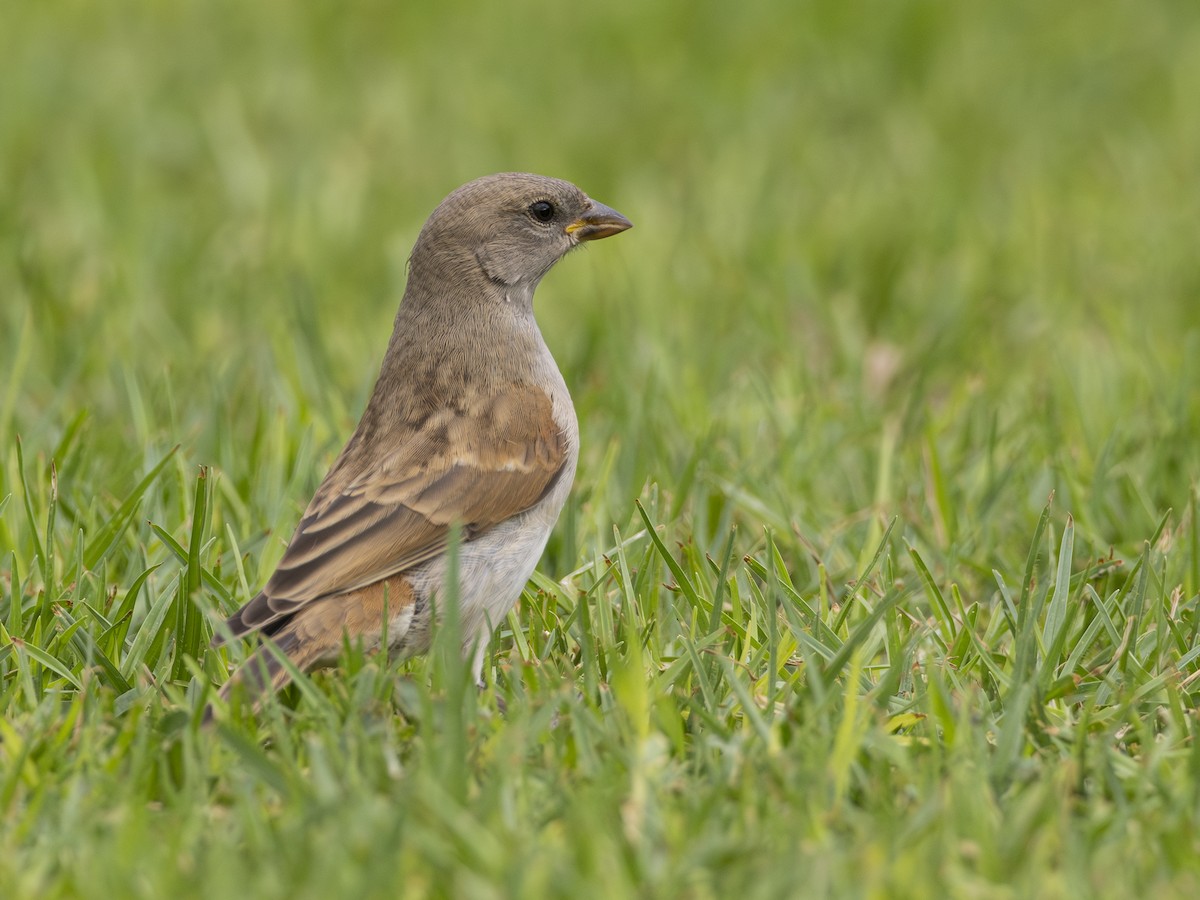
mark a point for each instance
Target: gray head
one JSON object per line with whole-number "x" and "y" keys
{"x": 510, "y": 229}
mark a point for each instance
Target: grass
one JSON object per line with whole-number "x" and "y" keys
{"x": 882, "y": 569}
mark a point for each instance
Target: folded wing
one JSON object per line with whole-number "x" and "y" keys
{"x": 389, "y": 501}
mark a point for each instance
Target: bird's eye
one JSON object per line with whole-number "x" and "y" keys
{"x": 542, "y": 210}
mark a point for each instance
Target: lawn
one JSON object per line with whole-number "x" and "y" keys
{"x": 881, "y": 572}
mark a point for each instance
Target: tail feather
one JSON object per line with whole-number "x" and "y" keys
{"x": 312, "y": 636}
{"x": 264, "y": 673}
{"x": 246, "y": 620}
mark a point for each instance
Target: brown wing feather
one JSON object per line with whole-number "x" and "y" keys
{"x": 388, "y": 502}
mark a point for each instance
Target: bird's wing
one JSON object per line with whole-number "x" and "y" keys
{"x": 479, "y": 464}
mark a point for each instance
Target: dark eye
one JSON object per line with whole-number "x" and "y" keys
{"x": 542, "y": 210}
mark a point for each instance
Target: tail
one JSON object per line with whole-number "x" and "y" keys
{"x": 264, "y": 672}
{"x": 310, "y": 635}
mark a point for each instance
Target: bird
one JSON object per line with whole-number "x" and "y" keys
{"x": 469, "y": 435}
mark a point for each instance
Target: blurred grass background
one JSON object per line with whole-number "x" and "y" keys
{"x": 918, "y": 261}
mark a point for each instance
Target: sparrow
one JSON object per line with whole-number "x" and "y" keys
{"x": 470, "y": 426}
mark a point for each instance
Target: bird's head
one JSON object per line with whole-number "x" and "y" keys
{"x": 514, "y": 227}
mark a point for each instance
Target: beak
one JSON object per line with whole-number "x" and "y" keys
{"x": 598, "y": 222}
